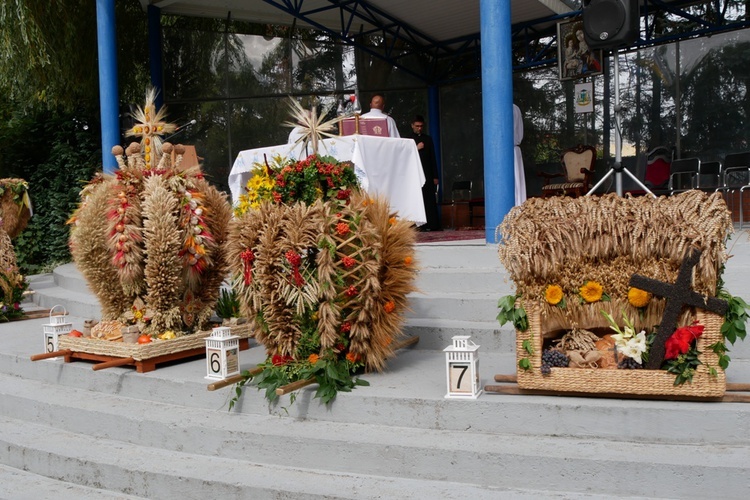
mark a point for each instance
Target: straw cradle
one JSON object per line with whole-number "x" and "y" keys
{"x": 568, "y": 242}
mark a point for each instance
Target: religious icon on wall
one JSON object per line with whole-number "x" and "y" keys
{"x": 574, "y": 57}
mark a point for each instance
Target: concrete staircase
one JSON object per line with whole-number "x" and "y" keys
{"x": 69, "y": 432}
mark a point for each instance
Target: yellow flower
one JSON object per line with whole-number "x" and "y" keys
{"x": 638, "y": 297}
{"x": 553, "y": 294}
{"x": 592, "y": 291}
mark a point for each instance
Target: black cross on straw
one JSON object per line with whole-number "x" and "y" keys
{"x": 678, "y": 295}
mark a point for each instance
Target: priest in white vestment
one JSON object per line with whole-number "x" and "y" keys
{"x": 377, "y": 105}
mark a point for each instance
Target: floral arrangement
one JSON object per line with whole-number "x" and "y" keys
{"x": 321, "y": 270}
{"x": 289, "y": 181}
{"x": 149, "y": 239}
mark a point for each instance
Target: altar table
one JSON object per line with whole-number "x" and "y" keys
{"x": 385, "y": 167}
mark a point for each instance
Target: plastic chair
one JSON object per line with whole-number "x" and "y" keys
{"x": 577, "y": 171}
{"x": 735, "y": 175}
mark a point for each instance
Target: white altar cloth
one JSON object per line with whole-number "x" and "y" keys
{"x": 385, "y": 167}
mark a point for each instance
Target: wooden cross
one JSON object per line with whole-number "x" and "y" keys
{"x": 678, "y": 295}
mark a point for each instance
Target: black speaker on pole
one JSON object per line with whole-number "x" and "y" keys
{"x": 609, "y": 24}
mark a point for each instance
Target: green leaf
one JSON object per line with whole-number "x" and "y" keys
{"x": 524, "y": 363}
{"x": 527, "y": 346}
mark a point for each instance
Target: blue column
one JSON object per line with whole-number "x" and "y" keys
{"x": 108, "y": 94}
{"x": 154, "y": 52}
{"x": 497, "y": 112}
{"x": 433, "y": 110}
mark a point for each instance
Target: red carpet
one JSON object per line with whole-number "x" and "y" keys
{"x": 450, "y": 235}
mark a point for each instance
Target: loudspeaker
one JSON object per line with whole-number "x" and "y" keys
{"x": 609, "y": 24}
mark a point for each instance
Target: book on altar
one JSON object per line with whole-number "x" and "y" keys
{"x": 367, "y": 126}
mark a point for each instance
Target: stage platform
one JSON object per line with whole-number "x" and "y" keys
{"x": 67, "y": 431}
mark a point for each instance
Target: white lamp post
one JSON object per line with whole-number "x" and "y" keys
{"x": 462, "y": 368}
{"x": 222, "y": 354}
{"x": 57, "y": 326}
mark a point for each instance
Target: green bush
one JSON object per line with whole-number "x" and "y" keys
{"x": 56, "y": 153}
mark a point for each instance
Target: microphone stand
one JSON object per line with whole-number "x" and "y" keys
{"x": 181, "y": 128}
{"x": 617, "y": 167}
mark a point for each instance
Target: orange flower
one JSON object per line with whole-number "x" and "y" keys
{"x": 392, "y": 221}
{"x": 313, "y": 358}
{"x": 351, "y": 357}
{"x": 389, "y": 306}
{"x": 408, "y": 260}
{"x": 553, "y": 294}
{"x": 592, "y": 291}
{"x": 342, "y": 228}
{"x": 638, "y": 297}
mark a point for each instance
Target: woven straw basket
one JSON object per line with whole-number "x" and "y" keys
{"x": 140, "y": 352}
{"x": 618, "y": 381}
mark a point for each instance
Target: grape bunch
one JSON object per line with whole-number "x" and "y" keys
{"x": 553, "y": 358}
{"x": 628, "y": 364}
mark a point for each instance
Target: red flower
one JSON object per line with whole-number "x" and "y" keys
{"x": 293, "y": 258}
{"x": 343, "y": 194}
{"x": 348, "y": 262}
{"x": 342, "y": 228}
{"x": 276, "y": 197}
{"x": 279, "y": 360}
{"x": 346, "y": 327}
{"x": 681, "y": 340}
{"x": 351, "y": 291}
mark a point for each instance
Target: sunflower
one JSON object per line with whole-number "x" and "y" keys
{"x": 553, "y": 294}
{"x": 638, "y": 297}
{"x": 591, "y": 291}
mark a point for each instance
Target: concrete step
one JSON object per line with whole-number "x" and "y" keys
{"x": 491, "y": 462}
{"x": 152, "y": 472}
{"x": 458, "y": 256}
{"x": 22, "y": 485}
{"x": 461, "y": 306}
{"x": 480, "y": 280}
{"x": 437, "y": 334}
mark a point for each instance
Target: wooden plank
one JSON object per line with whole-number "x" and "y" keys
{"x": 220, "y": 384}
{"x": 513, "y": 389}
{"x": 738, "y": 387}
{"x": 44, "y": 313}
{"x": 506, "y": 378}
{"x": 144, "y": 365}
{"x": 408, "y": 341}
{"x": 112, "y": 363}
{"x": 49, "y": 355}
{"x": 286, "y": 389}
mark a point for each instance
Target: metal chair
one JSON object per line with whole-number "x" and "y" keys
{"x": 709, "y": 176}
{"x": 682, "y": 173}
{"x": 735, "y": 175}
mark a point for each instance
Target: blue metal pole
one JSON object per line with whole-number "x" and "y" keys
{"x": 108, "y": 93}
{"x": 497, "y": 112}
{"x": 154, "y": 52}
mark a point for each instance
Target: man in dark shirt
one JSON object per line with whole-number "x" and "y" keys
{"x": 426, "y": 150}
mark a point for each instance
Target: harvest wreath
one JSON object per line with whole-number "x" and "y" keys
{"x": 321, "y": 270}
{"x": 621, "y": 295}
{"x": 15, "y": 210}
{"x": 150, "y": 242}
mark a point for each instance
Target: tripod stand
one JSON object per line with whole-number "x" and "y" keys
{"x": 618, "y": 168}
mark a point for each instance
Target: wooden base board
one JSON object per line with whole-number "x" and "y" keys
{"x": 737, "y": 393}
{"x": 144, "y": 365}
{"x": 44, "y": 313}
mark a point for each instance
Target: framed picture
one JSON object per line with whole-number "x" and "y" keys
{"x": 574, "y": 58}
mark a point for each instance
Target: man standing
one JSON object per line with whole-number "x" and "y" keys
{"x": 377, "y": 105}
{"x": 426, "y": 150}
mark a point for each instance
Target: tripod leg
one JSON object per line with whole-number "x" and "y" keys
{"x": 639, "y": 183}
{"x": 601, "y": 181}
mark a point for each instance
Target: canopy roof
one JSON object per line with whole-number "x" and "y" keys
{"x": 429, "y": 22}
